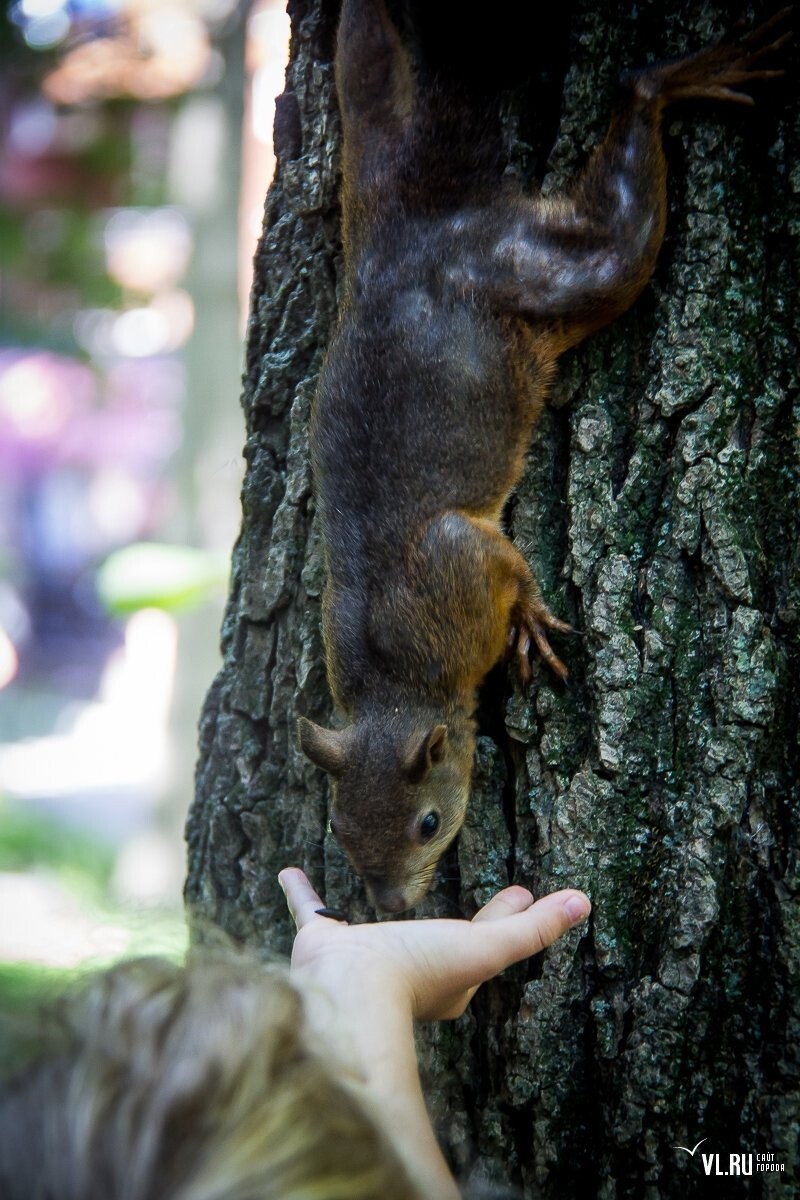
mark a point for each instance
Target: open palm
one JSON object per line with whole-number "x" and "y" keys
{"x": 438, "y": 963}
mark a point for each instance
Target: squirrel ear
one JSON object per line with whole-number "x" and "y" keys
{"x": 422, "y": 755}
{"x": 325, "y": 747}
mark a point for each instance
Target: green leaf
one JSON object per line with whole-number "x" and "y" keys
{"x": 154, "y": 575}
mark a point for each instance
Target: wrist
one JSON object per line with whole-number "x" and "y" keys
{"x": 362, "y": 1022}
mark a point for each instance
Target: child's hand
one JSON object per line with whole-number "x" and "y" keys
{"x": 364, "y": 984}
{"x": 437, "y": 964}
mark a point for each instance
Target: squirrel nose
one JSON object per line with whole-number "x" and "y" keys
{"x": 385, "y": 897}
{"x": 393, "y": 901}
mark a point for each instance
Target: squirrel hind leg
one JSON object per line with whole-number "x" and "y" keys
{"x": 718, "y": 72}
{"x": 529, "y": 618}
{"x": 374, "y": 76}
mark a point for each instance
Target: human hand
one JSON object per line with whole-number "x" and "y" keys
{"x": 364, "y": 984}
{"x": 433, "y": 966}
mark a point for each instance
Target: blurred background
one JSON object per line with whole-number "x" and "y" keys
{"x": 135, "y": 155}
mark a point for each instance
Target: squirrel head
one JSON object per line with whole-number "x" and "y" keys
{"x": 401, "y": 781}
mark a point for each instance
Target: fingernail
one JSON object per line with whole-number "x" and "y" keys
{"x": 577, "y": 909}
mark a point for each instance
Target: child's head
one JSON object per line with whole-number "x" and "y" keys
{"x": 196, "y": 1082}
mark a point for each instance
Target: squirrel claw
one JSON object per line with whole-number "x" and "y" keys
{"x": 548, "y": 654}
{"x": 719, "y": 72}
{"x": 523, "y": 660}
{"x": 532, "y": 625}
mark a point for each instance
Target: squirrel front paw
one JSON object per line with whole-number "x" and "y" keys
{"x": 529, "y": 623}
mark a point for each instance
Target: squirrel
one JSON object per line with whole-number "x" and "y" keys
{"x": 461, "y": 291}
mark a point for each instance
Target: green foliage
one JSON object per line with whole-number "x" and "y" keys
{"x": 152, "y": 575}
{"x": 82, "y": 867}
{"x": 29, "y": 840}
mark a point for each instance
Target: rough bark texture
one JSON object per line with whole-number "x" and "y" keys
{"x": 660, "y": 513}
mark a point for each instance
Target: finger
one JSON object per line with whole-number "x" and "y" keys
{"x": 511, "y": 900}
{"x": 523, "y": 934}
{"x": 505, "y": 904}
{"x": 510, "y": 903}
{"x": 301, "y": 898}
{"x": 454, "y": 957}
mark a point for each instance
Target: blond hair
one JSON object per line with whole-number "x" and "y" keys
{"x": 192, "y": 1082}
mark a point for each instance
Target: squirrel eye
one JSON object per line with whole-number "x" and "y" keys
{"x": 429, "y": 825}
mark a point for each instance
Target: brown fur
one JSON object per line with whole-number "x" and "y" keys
{"x": 460, "y": 295}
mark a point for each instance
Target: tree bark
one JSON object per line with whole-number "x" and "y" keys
{"x": 660, "y": 514}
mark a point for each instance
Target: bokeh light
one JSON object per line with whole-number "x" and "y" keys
{"x": 120, "y": 437}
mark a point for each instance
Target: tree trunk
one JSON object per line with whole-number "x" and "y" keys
{"x": 660, "y": 514}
